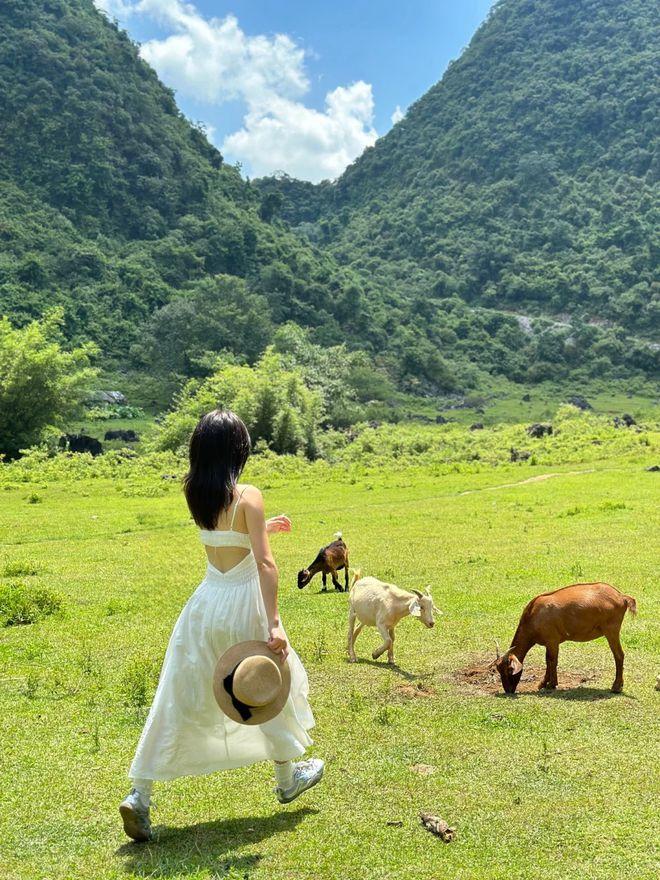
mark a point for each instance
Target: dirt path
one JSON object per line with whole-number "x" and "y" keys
{"x": 539, "y": 478}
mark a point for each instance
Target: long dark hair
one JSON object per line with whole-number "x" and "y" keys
{"x": 219, "y": 447}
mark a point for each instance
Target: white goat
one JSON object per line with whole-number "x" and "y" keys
{"x": 375, "y": 603}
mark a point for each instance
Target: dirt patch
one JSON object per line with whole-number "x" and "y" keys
{"x": 481, "y": 677}
{"x": 423, "y": 769}
{"x": 413, "y": 691}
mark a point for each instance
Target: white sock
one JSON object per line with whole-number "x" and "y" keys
{"x": 143, "y": 788}
{"x": 284, "y": 774}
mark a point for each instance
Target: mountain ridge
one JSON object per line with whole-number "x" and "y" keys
{"x": 115, "y": 207}
{"x": 527, "y": 178}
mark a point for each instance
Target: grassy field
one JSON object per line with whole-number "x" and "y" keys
{"x": 553, "y": 785}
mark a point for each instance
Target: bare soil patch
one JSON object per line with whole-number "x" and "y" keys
{"x": 423, "y": 769}
{"x": 413, "y": 690}
{"x": 481, "y": 677}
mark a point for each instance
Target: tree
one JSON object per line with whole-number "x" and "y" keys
{"x": 271, "y": 203}
{"x": 271, "y": 398}
{"x": 41, "y": 385}
{"x": 214, "y": 314}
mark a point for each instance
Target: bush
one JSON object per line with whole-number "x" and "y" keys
{"x": 115, "y": 411}
{"x": 22, "y": 604}
{"x": 273, "y": 401}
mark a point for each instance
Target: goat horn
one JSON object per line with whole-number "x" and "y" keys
{"x": 417, "y": 593}
{"x": 497, "y": 646}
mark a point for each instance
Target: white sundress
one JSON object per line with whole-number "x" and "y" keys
{"x": 186, "y": 732}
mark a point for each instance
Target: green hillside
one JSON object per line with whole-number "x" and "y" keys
{"x": 521, "y": 185}
{"x": 526, "y": 181}
{"x": 112, "y": 204}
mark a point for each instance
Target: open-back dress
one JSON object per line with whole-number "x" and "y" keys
{"x": 186, "y": 732}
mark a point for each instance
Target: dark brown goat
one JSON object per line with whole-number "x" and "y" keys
{"x": 578, "y": 613}
{"x": 329, "y": 561}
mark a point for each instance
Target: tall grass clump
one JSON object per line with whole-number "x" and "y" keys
{"x": 23, "y": 604}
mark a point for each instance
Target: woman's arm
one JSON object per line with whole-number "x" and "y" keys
{"x": 268, "y": 575}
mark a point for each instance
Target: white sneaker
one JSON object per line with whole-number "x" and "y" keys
{"x": 135, "y": 814}
{"x": 305, "y": 775}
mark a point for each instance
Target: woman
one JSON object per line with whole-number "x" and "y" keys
{"x": 186, "y": 733}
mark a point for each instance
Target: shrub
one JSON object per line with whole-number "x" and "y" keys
{"x": 273, "y": 401}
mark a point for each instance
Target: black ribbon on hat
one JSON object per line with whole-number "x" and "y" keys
{"x": 243, "y": 709}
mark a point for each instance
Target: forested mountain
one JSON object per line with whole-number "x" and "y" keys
{"x": 525, "y": 181}
{"x": 113, "y": 205}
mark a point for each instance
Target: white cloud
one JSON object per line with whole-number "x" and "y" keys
{"x": 398, "y": 115}
{"x": 114, "y": 8}
{"x": 214, "y": 61}
{"x": 304, "y": 142}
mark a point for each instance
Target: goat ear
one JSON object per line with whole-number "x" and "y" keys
{"x": 436, "y": 610}
{"x": 415, "y": 610}
{"x": 515, "y": 666}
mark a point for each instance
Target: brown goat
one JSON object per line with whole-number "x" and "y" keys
{"x": 578, "y": 613}
{"x": 329, "y": 560}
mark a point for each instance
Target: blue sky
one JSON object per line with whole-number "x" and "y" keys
{"x": 300, "y": 87}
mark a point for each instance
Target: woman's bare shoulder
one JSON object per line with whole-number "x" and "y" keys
{"x": 250, "y": 494}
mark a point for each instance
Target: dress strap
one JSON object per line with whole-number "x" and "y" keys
{"x": 233, "y": 516}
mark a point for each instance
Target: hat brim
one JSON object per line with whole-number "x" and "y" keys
{"x": 229, "y": 661}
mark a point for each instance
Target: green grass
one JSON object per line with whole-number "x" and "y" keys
{"x": 561, "y": 785}
{"x": 500, "y": 401}
{"x": 97, "y": 428}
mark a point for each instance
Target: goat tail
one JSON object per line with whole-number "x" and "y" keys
{"x": 631, "y": 605}
{"x": 338, "y": 536}
{"x": 355, "y": 577}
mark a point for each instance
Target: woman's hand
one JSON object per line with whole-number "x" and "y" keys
{"x": 277, "y": 642}
{"x": 279, "y": 523}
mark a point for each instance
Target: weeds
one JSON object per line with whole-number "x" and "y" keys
{"x": 24, "y": 604}
{"x": 320, "y": 647}
{"x": 20, "y": 568}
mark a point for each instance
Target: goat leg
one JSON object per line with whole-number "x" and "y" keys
{"x": 352, "y": 635}
{"x": 386, "y": 646}
{"x": 550, "y": 678}
{"x": 390, "y": 650}
{"x": 615, "y": 646}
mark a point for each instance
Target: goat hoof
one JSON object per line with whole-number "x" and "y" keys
{"x": 617, "y": 688}
{"x": 352, "y": 659}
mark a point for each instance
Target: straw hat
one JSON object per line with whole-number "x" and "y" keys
{"x": 250, "y": 683}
